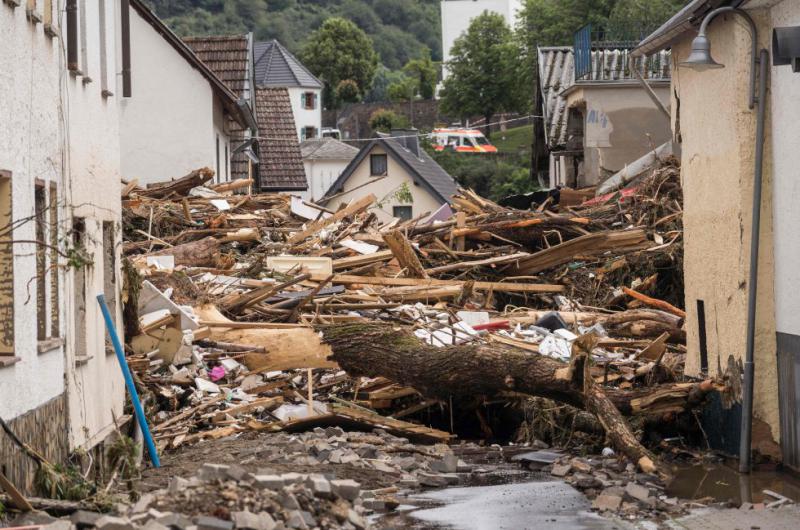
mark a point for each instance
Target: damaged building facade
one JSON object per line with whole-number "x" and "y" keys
{"x": 598, "y": 115}
{"x": 716, "y": 129}
{"x": 60, "y": 387}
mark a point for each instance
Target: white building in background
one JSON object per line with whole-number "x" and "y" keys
{"x": 324, "y": 159}
{"x": 457, "y": 15}
{"x": 276, "y": 67}
{"x": 60, "y": 386}
{"x": 179, "y": 118}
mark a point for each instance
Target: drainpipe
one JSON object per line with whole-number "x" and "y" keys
{"x": 125, "y": 23}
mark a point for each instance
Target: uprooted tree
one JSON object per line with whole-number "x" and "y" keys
{"x": 473, "y": 369}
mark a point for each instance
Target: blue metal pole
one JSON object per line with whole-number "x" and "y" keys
{"x": 126, "y": 372}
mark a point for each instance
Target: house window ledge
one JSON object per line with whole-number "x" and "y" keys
{"x": 34, "y": 16}
{"x": 12, "y": 3}
{"x": 48, "y": 345}
{"x": 8, "y": 361}
{"x": 80, "y": 360}
{"x": 51, "y": 31}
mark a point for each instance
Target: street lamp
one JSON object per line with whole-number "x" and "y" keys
{"x": 700, "y": 59}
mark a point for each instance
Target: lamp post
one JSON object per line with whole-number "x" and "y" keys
{"x": 700, "y": 59}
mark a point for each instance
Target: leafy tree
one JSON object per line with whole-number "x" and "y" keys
{"x": 635, "y": 19}
{"x": 424, "y": 73}
{"x": 339, "y": 50}
{"x": 384, "y": 120}
{"x": 380, "y": 85}
{"x": 484, "y": 71}
{"x": 347, "y": 91}
{"x": 404, "y": 89}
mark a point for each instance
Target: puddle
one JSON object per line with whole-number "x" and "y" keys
{"x": 725, "y": 484}
{"x": 514, "y": 506}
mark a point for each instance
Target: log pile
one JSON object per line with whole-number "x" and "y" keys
{"x": 272, "y": 311}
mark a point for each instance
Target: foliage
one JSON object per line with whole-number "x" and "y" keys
{"x": 554, "y": 22}
{"x": 347, "y": 91}
{"x": 515, "y": 140}
{"x": 401, "y": 194}
{"x": 484, "y": 71}
{"x": 493, "y": 177}
{"x": 424, "y": 73}
{"x": 404, "y": 89}
{"x": 384, "y": 120}
{"x": 400, "y": 28}
{"x": 380, "y": 84}
{"x": 339, "y": 50}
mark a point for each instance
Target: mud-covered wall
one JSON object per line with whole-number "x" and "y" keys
{"x": 717, "y": 130}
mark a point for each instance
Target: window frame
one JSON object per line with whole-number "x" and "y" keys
{"x": 7, "y": 349}
{"x": 378, "y": 156}
{"x": 403, "y": 207}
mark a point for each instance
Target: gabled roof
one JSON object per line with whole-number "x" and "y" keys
{"x": 229, "y": 99}
{"x": 276, "y": 66}
{"x": 327, "y": 149}
{"x": 422, "y": 168}
{"x": 280, "y": 167}
{"x": 227, "y": 56}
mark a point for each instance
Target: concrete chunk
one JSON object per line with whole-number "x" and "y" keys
{"x": 346, "y": 489}
{"x": 247, "y": 520}
{"x": 109, "y": 522}
{"x": 271, "y": 482}
{"x": 205, "y": 522}
{"x": 607, "y": 503}
{"x": 637, "y": 492}
{"x": 210, "y": 472}
{"x": 560, "y": 470}
{"x": 84, "y": 519}
{"x": 60, "y": 524}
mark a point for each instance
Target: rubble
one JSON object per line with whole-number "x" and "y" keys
{"x": 232, "y": 299}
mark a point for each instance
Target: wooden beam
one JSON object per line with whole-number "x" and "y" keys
{"x": 352, "y": 209}
{"x": 506, "y": 287}
{"x": 405, "y": 254}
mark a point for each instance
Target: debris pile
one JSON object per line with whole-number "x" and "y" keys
{"x": 268, "y": 313}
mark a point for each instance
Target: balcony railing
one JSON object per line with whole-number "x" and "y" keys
{"x": 603, "y": 56}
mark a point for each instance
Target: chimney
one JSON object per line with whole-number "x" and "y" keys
{"x": 408, "y": 138}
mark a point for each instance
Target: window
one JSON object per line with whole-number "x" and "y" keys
{"x": 308, "y": 133}
{"x": 40, "y": 217}
{"x": 34, "y": 15}
{"x": 402, "y": 212}
{"x": 55, "y": 310}
{"x": 6, "y": 271}
{"x": 79, "y": 285}
{"x": 110, "y": 269}
{"x": 73, "y": 38}
{"x": 227, "y": 164}
{"x": 309, "y": 100}
{"x": 104, "y": 32}
{"x": 216, "y": 176}
{"x": 49, "y": 28}
{"x": 378, "y": 165}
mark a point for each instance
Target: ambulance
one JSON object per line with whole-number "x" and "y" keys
{"x": 461, "y": 141}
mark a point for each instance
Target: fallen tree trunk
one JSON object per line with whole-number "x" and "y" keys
{"x": 478, "y": 369}
{"x": 202, "y": 253}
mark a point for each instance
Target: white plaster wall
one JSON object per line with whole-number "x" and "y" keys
{"x": 321, "y": 174}
{"x": 457, "y": 14}
{"x": 167, "y": 127}
{"x": 31, "y": 146}
{"x": 95, "y": 389}
{"x": 305, "y": 117}
{"x": 384, "y": 189}
{"x": 785, "y": 111}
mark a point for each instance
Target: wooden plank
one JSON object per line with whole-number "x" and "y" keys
{"x": 590, "y": 245}
{"x": 18, "y": 499}
{"x": 352, "y": 209}
{"x": 405, "y": 254}
{"x": 507, "y": 287}
{"x": 360, "y": 260}
{"x": 478, "y": 263}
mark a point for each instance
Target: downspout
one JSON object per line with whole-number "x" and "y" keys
{"x": 125, "y": 23}
{"x": 749, "y": 363}
{"x": 647, "y": 88}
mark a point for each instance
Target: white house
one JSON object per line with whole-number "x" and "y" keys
{"x": 59, "y": 145}
{"x": 457, "y": 15}
{"x": 407, "y": 182}
{"x": 180, "y": 118}
{"x": 324, "y": 159}
{"x": 276, "y": 67}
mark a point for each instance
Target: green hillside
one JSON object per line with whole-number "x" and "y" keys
{"x": 400, "y": 29}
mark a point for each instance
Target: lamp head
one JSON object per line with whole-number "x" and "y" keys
{"x": 700, "y": 59}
